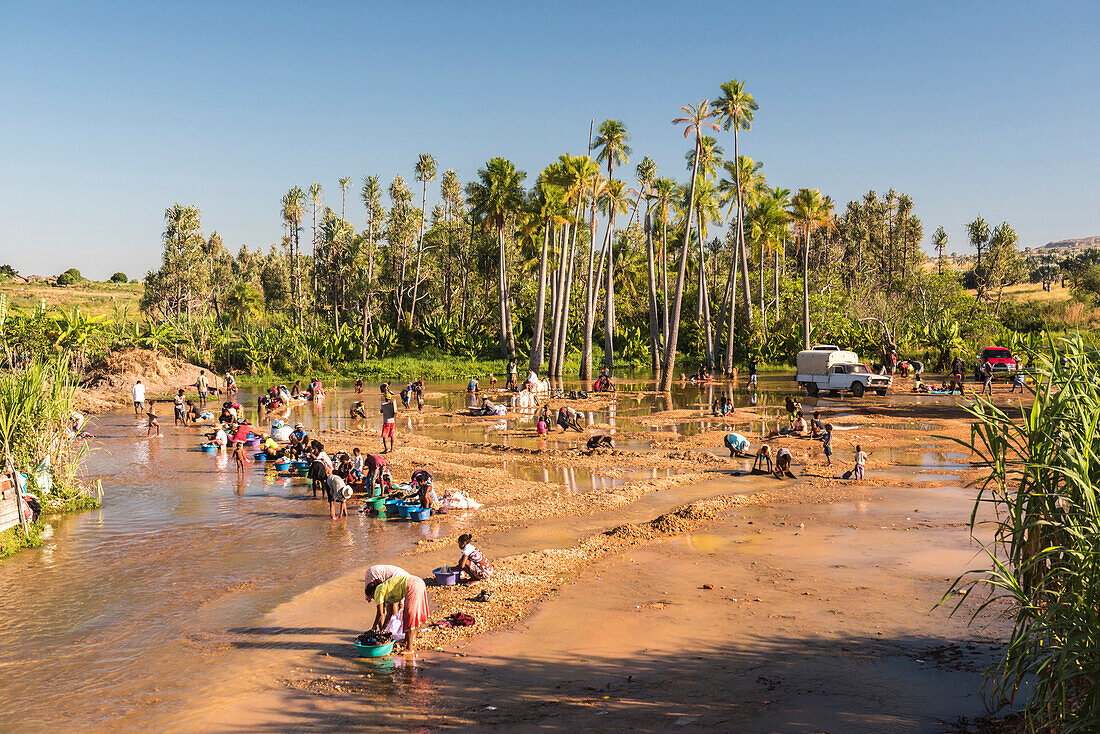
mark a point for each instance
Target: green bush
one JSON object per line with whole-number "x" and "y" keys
{"x": 69, "y": 277}
{"x": 119, "y": 278}
{"x": 7, "y": 271}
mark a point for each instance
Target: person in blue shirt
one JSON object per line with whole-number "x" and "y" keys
{"x": 737, "y": 444}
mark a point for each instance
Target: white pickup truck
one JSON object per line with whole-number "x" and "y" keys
{"x": 827, "y": 367}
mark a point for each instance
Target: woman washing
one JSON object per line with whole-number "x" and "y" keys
{"x": 393, "y": 589}
{"x": 472, "y": 562}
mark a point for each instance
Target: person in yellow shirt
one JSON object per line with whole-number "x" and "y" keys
{"x": 398, "y": 589}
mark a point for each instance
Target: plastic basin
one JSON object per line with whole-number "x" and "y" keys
{"x": 260, "y": 456}
{"x": 303, "y": 471}
{"x": 373, "y": 651}
{"x": 282, "y": 465}
{"x": 419, "y": 514}
{"x": 376, "y": 503}
{"x": 402, "y": 509}
{"x": 445, "y": 578}
{"x": 208, "y": 447}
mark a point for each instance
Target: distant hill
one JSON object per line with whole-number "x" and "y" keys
{"x": 1072, "y": 245}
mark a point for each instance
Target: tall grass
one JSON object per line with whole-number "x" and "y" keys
{"x": 1044, "y": 561}
{"x": 36, "y": 412}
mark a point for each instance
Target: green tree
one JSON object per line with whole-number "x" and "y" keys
{"x": 294, "y": 211}
{"x": 243, "y": 303}
{"x": 695, "y": 120}
{"x": 736, "y": 109}
{"x": 939, "y": 243}
{"x": 496, "y": 197}
{"x": 425, "y": 174}
{"x": 119, "y": 278}
{"x": 810, "y": 212}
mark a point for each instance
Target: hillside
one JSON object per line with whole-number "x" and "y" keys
{"x": 92, "y": 297}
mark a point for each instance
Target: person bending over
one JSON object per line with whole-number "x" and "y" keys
{"x": 737, "y": 444}
{"x": 601, "y": 442}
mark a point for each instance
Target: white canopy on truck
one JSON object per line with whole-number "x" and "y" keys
{"x": 818, "y": 362}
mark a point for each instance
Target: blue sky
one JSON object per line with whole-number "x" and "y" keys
{"x": 112, "y": 112}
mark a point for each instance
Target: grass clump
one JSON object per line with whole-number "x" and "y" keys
{"x": 1044, "y": 562}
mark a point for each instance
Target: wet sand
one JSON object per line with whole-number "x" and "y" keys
{"x": 822, "y": 615}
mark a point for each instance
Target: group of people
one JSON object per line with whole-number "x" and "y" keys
{"x": 400, "y": 598}
{"x": 278, "y": 398}
{"x": 779, "y": 462}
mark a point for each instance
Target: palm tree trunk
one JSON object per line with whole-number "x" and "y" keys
{"x": 704, "y": 294}
{"x": 731, "y": 325}
{"x": 589, "y": 303}
{"x": 502, "y": 294}
{"x": 664, "y": 277}
{"x": 654, "y": 343}
{"x": 741, "y": 237}
{"x": 669, "y": 364}
{"x": 609, "y": 300}
{"x": 806, "y": 293}
{"x": 537, "y": 339}
{"x": 763, "y": 317}
{"x": 565, "y": 303}
{"x": 779, "y": 254}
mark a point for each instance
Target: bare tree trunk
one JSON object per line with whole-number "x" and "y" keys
{"x": 669, "y": 364}
{"x": 589, "y": 302}
{"x": 537, "y": 339}
{"x": 704, "y": 295}
{"x": 654, "y": 340}
{"x": 806, "y": 293}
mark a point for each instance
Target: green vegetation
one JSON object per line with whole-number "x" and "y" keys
{"x": 37, "y": 437}
{"x": 71, "y": 276}
{"x": 1042, "y": 564}
{"x": 119, "y": 278}
{"x": 7, "y": 271}
{"x": 543, "y": 269}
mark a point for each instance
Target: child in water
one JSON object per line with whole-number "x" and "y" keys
{"x": 151, "y": 415}
{"x": 240, "y": 457}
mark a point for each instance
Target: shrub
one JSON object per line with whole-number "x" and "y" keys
{"x": 69, "y": 277}
{"x": 7, "y": 271}
{"x": 119, "y": 278}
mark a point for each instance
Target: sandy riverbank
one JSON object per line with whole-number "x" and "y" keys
{"x": 601, "y": 593}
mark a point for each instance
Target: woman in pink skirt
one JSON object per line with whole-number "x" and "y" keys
{"x": 391, "y": 587}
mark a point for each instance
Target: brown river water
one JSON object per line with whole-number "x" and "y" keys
{"x": 108, "y": 621}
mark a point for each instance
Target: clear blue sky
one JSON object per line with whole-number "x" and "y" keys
{"x": 112, "y": 112}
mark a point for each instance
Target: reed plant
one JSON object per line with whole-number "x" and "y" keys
{"x": 1043, "y": 564}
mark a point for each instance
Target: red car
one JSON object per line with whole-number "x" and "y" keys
{"x": 1001, "y": 359}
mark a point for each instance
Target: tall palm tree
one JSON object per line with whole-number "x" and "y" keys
{"x": 345, "y": 182}
{"x": 573, "y": 174}
{"x": 710, "y": 158}
{"x": 595, "y": 193}
{"x": 615, "y": 200}
{"x": 664, "y": 189}
{"x": 768, "y": 221}
{"x": 314, "y": 203}
{"x": 810, "y": 212}
{"x": 495, "y": 198}
{"x": 646, "y": 171}
{"x": 550, "y": 209}
{"x": 742, "y": 186}
{"x": 612, "y": 142}
{"x": 294, "y": 211}
{"x": 425, "y": 174}
{"x": 939, "y": 244}
{"x": 782, "y": 199}
{"x": 736, "y": 109}
{"x": 371, "y": 195}
{"x": 705, "y": 211}
{"x": 695, "y": 120}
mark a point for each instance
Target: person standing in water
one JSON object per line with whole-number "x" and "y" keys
{"x": 752, "y": 373}
{"x": 203, "y": 386}
{"x": 389, "y": 420}
{"x": 513, "y": 375}
{"x": 861, "y": 463}
{"x": 240, "y": 457}
{"x": 138, "y": 394}
{"x": 151, "y": 415}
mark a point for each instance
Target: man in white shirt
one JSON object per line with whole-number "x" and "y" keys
{"x": 139, "y": 398}
{"x": 203, "y": 385}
